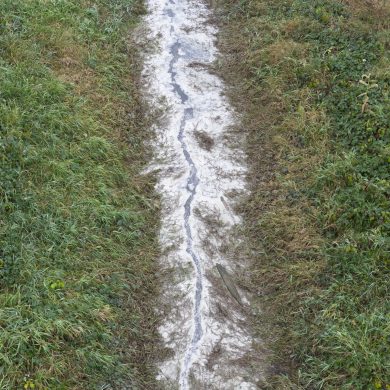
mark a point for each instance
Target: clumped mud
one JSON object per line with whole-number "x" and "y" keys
{"x": 204, "y": 140}
{"x": 200, "y": 178}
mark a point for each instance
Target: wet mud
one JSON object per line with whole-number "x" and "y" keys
{"x": 205, "y": 328}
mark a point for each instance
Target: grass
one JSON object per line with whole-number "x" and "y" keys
{"x": 312, "y": 80}
{"x": 77, "y": 228}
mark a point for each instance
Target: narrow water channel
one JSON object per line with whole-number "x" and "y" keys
{"x": 192, "y": 184}
{"x": 201, "y": 174}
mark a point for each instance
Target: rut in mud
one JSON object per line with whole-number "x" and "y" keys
{"x": 201, "y": 173}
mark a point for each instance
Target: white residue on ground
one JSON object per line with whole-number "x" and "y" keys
{"x": 205, "y": 328}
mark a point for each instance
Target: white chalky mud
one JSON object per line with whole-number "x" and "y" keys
{"x": 204, "y": 328}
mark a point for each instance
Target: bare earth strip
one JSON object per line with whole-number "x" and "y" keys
{"x": 201, "y": 176}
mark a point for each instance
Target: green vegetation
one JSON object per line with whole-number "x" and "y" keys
{"x": 77, "y": 222}
{"x": 313, "y": 81}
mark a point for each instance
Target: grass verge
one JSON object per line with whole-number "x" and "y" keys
{"x": 77, "y": 229}
{"x": 313, "y": 80}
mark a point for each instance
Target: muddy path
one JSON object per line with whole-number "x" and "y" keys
{"x": 201, "y": 176}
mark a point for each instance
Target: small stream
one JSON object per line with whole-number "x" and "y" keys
{"x": 204, "y": 329}
{"x": 192, "y": 184}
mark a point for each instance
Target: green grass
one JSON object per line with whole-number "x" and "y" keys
{"x": 77, "y": 221}
{"x": 316, "y": 81}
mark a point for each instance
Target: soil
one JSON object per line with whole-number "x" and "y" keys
{"x": 201, "y": 173}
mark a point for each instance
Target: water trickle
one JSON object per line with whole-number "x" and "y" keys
{"x": 192, "y": 183}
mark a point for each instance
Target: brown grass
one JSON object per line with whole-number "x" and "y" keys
{"x": 280, "y": 224}
{"x": 287, "y": 142}
{"x": 377, "y": 10}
